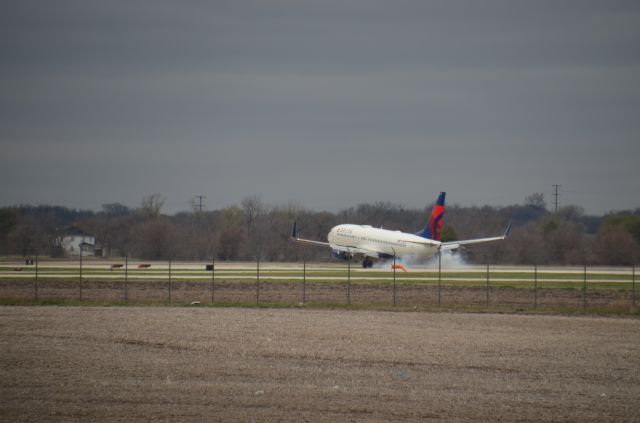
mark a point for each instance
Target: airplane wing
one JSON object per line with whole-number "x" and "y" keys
{"x": 312, "y": 242}
{"x": 445, "y": 246}
{"x": 306, "y": 241}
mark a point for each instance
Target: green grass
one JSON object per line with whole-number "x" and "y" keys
{"x": 320, "y": 273}
{"x": 498, "y": 279}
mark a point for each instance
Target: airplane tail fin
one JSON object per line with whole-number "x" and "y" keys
{"x": 432, "y": 230}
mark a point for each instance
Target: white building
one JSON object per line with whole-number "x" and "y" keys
{"x": 71, "y": 245}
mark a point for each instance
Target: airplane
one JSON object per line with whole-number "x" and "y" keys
{"x": 349, "y": 241}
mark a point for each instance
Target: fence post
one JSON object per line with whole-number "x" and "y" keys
{"x": 349, "y": 282}
{"x": 213, "y": 278}
{"x": 633, "y": 285}
{"x": 439, "y": 278}
{"x": 304, "y": 277}
{"x": 126, "y": 278}
{"x": 535, "y": 285}
{"x": 35, "y": 282}
{"x": 584, "y": 290}
{"x": 394, "y": 278}
{"x": 487, "y": 288}
{"x": 80, "y": 282}
{"x": 169, "y": 281}
{"x": 257, "y": 279}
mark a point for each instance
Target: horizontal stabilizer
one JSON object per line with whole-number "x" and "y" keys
{"x": 449, "y": 246}
{"x": 423, "y": 242}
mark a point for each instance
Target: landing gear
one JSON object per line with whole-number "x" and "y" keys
{"x": 367, "y": 263}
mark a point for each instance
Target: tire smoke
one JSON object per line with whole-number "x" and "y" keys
{"x": 449, "y": 259}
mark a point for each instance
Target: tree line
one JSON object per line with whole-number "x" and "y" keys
{"x": 256, "y": 229}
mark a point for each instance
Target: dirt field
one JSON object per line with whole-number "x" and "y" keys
{"x": 213, "y": 364}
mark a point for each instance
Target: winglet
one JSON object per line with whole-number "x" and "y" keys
{"x": 293, "y": 231}
{"x": 506, "y": 231}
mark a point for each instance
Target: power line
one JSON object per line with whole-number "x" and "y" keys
{"x": 200, "y": 198}
{"x": 556, "y": 195}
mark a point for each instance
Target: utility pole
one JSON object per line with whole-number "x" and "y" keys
{"x": 200, "y": 198}
{"x": 556, "y": 195}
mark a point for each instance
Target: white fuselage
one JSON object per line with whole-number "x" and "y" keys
{"x": 396, "y": 243}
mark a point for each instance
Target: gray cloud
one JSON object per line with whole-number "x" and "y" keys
{"x": 328, "y": 104}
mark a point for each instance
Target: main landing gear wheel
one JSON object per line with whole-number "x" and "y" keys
{"x": 367, "y": 263}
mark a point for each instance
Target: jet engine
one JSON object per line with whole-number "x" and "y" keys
{"x": 342, "y": 255}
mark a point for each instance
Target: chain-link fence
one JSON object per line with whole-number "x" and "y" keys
{"x": 317, "y": 284}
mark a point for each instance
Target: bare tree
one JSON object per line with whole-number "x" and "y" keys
{"x": 525, "y": 245}
{"x": 154, "y": 239}
{"x": 564, "y": 242}
{"x": 535, "y": 201}
{"x": 230, "y": 243}
{"x": 253, "y": 209}
{"x": 151, "y": 205}
{"x": 614, "y": 246}
{"x": 26, "y": 238}
{"x": 115, "y": 209}
{"x": 255, "y": 214}
{"x": 8, "y": 221}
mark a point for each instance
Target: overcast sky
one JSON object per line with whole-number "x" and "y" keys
{"x": 327, "y": 103}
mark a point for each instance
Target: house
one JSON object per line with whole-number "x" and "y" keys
{"x": 73, "y": 239}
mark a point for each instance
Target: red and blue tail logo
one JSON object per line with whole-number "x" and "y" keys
{"x": 434, "y": 226}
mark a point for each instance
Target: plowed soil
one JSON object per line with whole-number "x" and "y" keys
{"x": 226, "y": 364}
